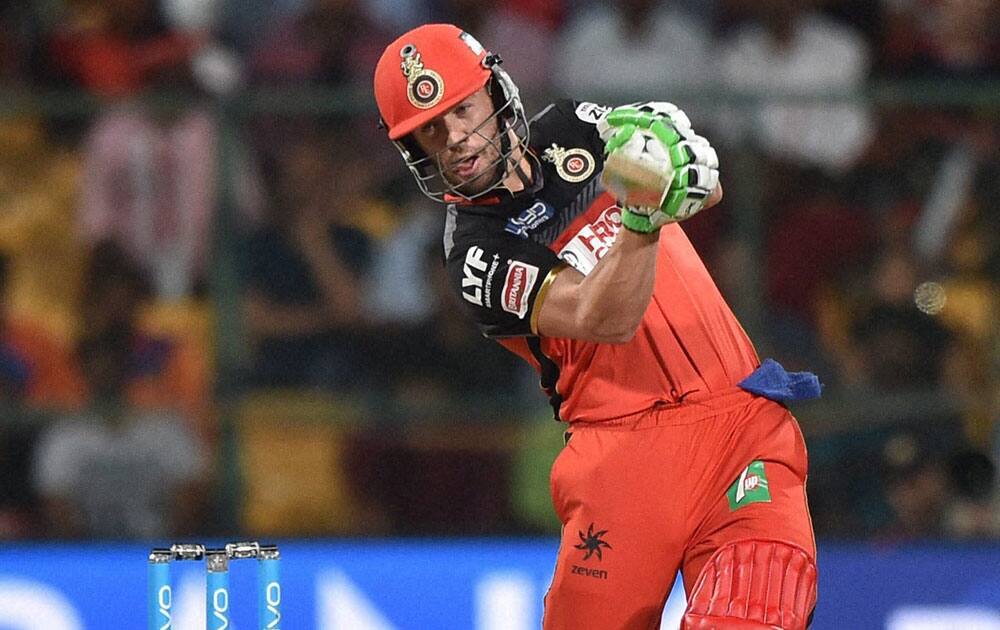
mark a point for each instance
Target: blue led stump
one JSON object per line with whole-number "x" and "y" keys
{"x": 217, "y": 589}
{"x": 269, "y": 589}
{"x": 159, "y": 597}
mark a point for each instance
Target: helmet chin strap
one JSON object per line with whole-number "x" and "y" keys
{"x": 511, "y": 161}
{"x": 500, "y": 81}
{"x": 521, "y": 175}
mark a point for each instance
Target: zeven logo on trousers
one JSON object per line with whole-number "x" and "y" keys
{"x": 592, "y": 543}
{"x": 599, "y": 574}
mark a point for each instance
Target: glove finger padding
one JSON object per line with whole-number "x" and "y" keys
{"x": 695, "y": 150}
{"x": 643, "y": 118}
{"x": 680, "y": 204}
{"x": 618, "y": 138}
{"x": 671, "y": 113}
{"x": 659, "y": 108}
{"x": 695, "y": 177}
{"x": 692, "y": 186}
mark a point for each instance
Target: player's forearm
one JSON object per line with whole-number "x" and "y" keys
{"x": 614, "y": 296}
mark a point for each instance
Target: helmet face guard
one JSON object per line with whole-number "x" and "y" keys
{"x": 509, "y": 139}
{"x": 423, "y": 75}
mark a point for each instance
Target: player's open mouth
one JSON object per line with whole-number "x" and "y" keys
{"x": 466, "y": 168}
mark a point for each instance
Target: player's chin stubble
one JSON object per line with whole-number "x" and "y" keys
{"x": 491, "y": 173}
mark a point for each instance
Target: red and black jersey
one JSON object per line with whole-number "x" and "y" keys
{"x": 501, "y": 253}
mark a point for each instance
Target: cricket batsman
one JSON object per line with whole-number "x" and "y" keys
{"x": 562, "y": 236}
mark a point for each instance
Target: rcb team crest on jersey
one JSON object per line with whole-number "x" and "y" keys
{"x": 424, "y": 86}
{"x": 573, "y": 165}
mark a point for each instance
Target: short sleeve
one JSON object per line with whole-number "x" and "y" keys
{"x": 499, "y": 281}
{"x": 584, "y": 116}
{"x": 565, "y": 118}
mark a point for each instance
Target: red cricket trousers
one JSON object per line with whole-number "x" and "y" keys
{"x": 645, "y": 495}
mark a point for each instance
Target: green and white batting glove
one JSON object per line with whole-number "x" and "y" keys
{"x": 658, "y": 168}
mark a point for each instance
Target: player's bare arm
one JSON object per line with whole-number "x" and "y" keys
{"x": 661, "y": 172}
{"x": 607, "y": 305}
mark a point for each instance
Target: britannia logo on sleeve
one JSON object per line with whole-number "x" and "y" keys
{"x": 751, "y": 487}
{"x": 517, "y": 287}
{"x": 573, "y": 165}
{"x": 424, "y": 87}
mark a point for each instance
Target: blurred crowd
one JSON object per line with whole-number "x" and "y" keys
{"x": 183, "y": 180}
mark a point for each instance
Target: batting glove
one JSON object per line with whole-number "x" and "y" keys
{"x": 660, "y": 170}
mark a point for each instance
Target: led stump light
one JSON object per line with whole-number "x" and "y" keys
{"x": 217, "y": 595}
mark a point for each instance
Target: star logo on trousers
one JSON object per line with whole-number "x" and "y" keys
{"x": 591, "y": 542}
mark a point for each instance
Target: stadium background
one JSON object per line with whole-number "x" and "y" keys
{"x": 223, "y": 317}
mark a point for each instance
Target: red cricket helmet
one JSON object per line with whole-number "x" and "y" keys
{"x": 426, "y": 72}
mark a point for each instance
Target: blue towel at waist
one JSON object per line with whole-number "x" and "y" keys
{"x": 771, "y": 381}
